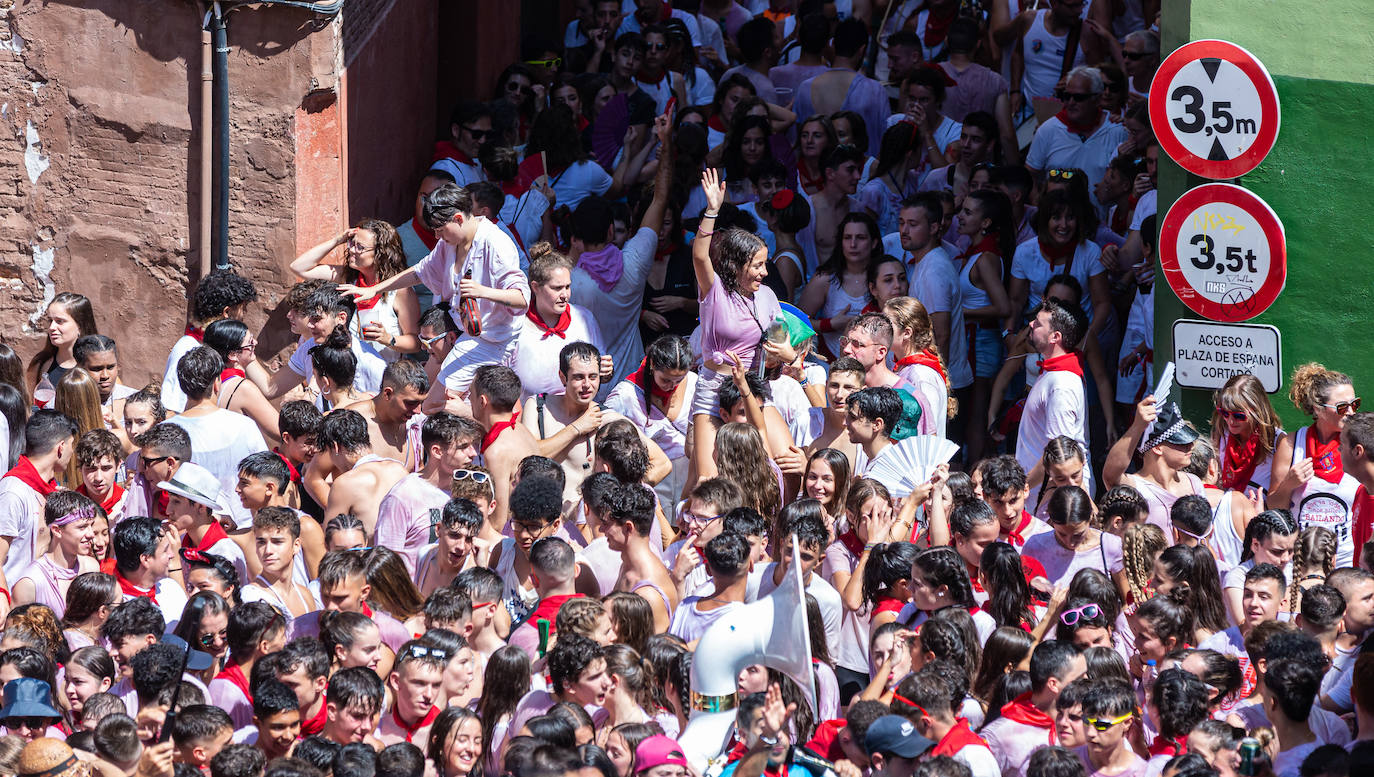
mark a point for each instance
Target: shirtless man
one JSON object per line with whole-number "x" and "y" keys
{"x": 388, "y": 413}
{"x": 567, "y": 424}
{"x": 495, "y": 390}
{"x": 361, "y": 477}
{"x": 416, "y": 682}
{"x": 626, "y": 526}
{"x": 841, "y": 169}
{"x": 844, "y": 87}
{"x": 846, "y": 376}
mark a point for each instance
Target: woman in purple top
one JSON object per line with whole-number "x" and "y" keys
{"x": 736, "y": 307}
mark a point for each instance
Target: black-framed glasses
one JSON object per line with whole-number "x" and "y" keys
{"x": 357, "y": 247}
{"x": 31, "y": 723}
{"x": 516, "y": 86}
{"x": 1077, "y": 97}
{"x": 154, "y": 461}
{"x": 1135, "y": 55}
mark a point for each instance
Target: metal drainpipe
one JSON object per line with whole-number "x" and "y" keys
{"x": 219, "y": 32}
{"x": 207, "y": 150}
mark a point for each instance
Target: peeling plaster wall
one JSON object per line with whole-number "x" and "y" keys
{"x": 100, "y": 156}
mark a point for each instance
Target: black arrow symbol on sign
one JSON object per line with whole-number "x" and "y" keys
{"x": 1211, "y": 65}
{"x": 1218, "y": 154}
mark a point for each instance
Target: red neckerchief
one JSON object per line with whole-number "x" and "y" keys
{"x": 665, "y": 250}
{"x": 716, "y": 123}
{"x": 1057, "y": 254}
{"x": 234, "y": 674}
{"x": 371, "y": 303}
{"x": 548, "y": 610}
{"x": 425, "y": 234}
{"x": 958, "y": 738}
{"x": 852, "y": 543}
{"x": 807, "y": 182}
{"x": 367, "y": 610}
{"x": 295, "y": 473}
{"x": 1015, "y": 535}
{"x": 826, "y": 741}
{"x": 108, "y": 566}
{"x": 927, "y": 358}
{"x": 410, "y": 730}
{"x": 116, "y": 494}
{"x": 130, "y": 589}
{"x": 232, "y": 372}
{"x": 1069, "y": 362}
{"x": 445, "y": 149}
{"x": 1361, "y": 513}
{"x": 213, "y": 534}
{"x": 560, "y": 328}
{"x": 1325, "y": 456}
{"x": 1022, "y": 711}
{"x": 195, "y": 332}
{"x": 888, "y": 604}
{"x": 512, "y": 188}
{"x": 316, "y": 724}
{"x": 1240, "y": 462}
{"x": 499, "y": 427}
{"x": 641, "y": 78}
{"x": 1121, "y": 222}
{"x": 582, "y": 123}
{"x": 775, "y": 16}
{"x": 1170, "y": 747}
{"x": 737, "y": 752}
{"x": 988, "y": 245}
{"x": 644, "y": 378}
{"x": 871, "y": 307}
{"x": 937, "y": 28}
{"x": 163, "y": 500}
{"x": 1081, "y": 130}
{"x": 27, "y": 474}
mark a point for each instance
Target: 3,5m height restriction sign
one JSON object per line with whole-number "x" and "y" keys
{"x": 1214, "y": 109}
{"x": 1223, "y": 253}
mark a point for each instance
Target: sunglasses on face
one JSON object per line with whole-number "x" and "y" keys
{"x": 1135, "y": 55}
{"x": 1102, "y": 724}
{"x": 1076, "y": 97}
{"x": 554, "y": 63}
{"x": 516, "y": 86}
{"x": 32, "y": 724}
{"x": 479, "y": 134}
{"x": 208, "y": 640}
{"x": 658, "y": 47}
{"x": 1086, "y": 612}
{"x": 429, "y": 342}
{"x": 156, "y": 461}
{"x": 1342, "y": 408}
{"x": 1061, "y": 175}
{"x": 1232, "y": 415}
{"x": 424, "y": 651}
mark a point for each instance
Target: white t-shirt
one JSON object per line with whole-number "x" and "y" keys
{"x": 1030, "y": 265}
{"x": 579, "y": 180}
{"x": 792, "y": 403}
{"x": 1055, "y": 147}
{"x": 832, "y": 608}
{"x": 173, "y": 398}
{"x": 21, "y": 515}
{"x": 935, "y": 282}
{"x": 219, "y": 441}
{"x": 536, "y": 359}
{"x": 371, "y": 365}
{"x": 617, "y": 310}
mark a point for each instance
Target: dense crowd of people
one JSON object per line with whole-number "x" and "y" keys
{"x": 714, "y": 304}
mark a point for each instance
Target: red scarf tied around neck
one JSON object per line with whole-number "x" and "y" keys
{"x": 499, "y": 427}
{"x": 1325, "y": 456}
{"x": 1081, "y": 130}
{"x": 129, "y": 589}
{"x": 1056, "y": 254}
{"x": 938, "y": 27}
{"x": 425, "y": 234}
{"x": 1022, "y": 711}
{"x": 234, "y": 674}
{"x": 1241, "y": 459}
{"x": 926, "y": 358}
{"x": 644, "y": 378}
{"x": 988, "y": 245}
{"x": 1069, "y": 362}
{"x": 958, "y": 738}
{"x": 28, "y": 475}
{"x": 559, "y": 329}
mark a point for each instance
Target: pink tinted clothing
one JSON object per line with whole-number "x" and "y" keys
{"x": 978, "y": 90}
{"x": 1012, "y": 743}
{"x": 21, "y": 515}
{"x": 495, "y": 263}
{"x": 1138, "y": 768}
{"x": 45, "y": 576}
{"x": 730, "y": 322}
{"x": 407, "y": 515}
{"x": 229, "y": 697}
{"x": 394, "y": 633}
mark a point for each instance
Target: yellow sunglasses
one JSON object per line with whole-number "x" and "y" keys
{"x": 1102, "y": 724}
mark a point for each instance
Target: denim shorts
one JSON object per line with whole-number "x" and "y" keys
{"x": 987, "y": 349}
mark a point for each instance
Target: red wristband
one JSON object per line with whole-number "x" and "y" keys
{"x": 824, "y": 325}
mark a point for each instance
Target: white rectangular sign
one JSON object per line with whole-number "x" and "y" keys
{"x": 1208, "y": 353}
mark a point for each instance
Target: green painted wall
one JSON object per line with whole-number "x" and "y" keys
{"x": 1321, "y": 56}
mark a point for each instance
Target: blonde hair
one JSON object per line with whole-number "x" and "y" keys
{"x": 1141, "y": 543}
{"x": 1245, "y": 392}
{"x": 579, "y": 616}
{"x": 1311, "y": 386}
{"x": 470, "y": 489}
{"x": 78, "y": 395}
{"x": 742, "y": 457}
{"x": 909, "y": 313}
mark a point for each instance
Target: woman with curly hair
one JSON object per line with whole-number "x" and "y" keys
{"x": 374, "y": 253}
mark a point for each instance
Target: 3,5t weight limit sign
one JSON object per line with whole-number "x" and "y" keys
{"x": 1214, "y": 109}
{"x": 1223, "y": 253}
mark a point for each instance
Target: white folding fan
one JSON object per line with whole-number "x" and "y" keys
{"x": 909, "y": 463}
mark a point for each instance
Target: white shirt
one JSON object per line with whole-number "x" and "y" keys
{"x": 371, "y": 365}
{"x": 935, "y": 282}
{"x": 1012, "y": 743}
{"x": 536, "y": 359}
{"x": 173, "y": 398}
{"x": 1055, "y": 147}
{"x": 219, "y": 441}
{"x": 1054, "y": 407}
{"x": 617, "y": 310}
{"x": 832, "y": 608}
{"x": 21, "y": 516}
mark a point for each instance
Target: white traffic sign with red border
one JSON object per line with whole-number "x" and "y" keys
{"x": 1223, "y": 253}
{"x": 1214, "y": 109}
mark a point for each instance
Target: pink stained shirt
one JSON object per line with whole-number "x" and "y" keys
{"x": 495, "y": 263}
{"x": 730, "y": 322}
{"x": 406, "y": 516}
{"x": 394, "y": 633}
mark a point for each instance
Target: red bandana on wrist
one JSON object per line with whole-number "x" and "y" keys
{"x": 1055, "y": 254}
{"x": 560, "y": 329}
{"x": 1241, "y": 459}
{"x": 926, "y": 358}
{"x": 1325, "y": 456}
{"x": 499, "y": 427}
{"x": 1069, "y": 362}
{"x": 410, "y": 730}
{"x": 28, "y": 475}
{"x": 195, "y": 332}
{"x": 1081, "y": 130}
{"x": 130, "y": 589}
{"x": 1022, "y": 711}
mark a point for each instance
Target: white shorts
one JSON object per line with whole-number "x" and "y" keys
{"x": 467, "y": 355}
